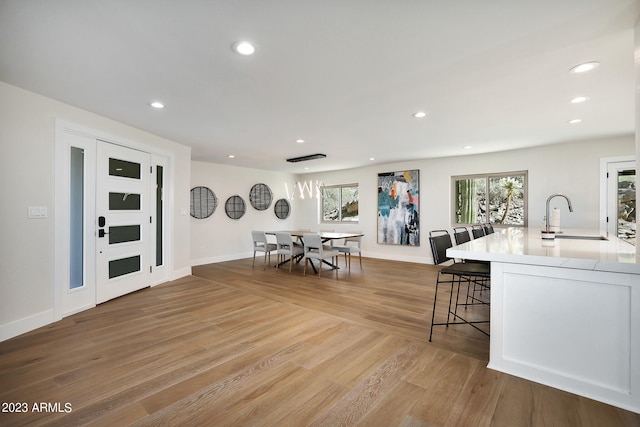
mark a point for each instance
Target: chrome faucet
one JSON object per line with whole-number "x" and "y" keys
{"x": 548, "y": 227}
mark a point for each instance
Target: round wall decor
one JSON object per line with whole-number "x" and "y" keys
{"x": 203, "y": 202}
{"x": 235, "y": 207}
{"x": 260, "y": 196}
{"x": 282, "y": 208}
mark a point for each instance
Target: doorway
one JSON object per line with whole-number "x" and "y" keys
{"x": 111, "y": 218}
{"x": 621, "y": 200}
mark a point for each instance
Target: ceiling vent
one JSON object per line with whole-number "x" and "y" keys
{"x": 305, "y": 158}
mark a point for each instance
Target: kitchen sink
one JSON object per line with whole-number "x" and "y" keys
{"x": 580, "y": 237}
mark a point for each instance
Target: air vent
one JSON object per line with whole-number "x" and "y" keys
{"x": 305, "y": 158}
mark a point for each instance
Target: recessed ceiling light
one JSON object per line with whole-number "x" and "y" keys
{"x": 579, "y": 99}
{"x": 244, "y": 48}
{"x": 466, "y": 147}
{"x": 231, "y": 156}
{"x": 157, "y": 104}
{"x": 583, "y": 68}
{"x": 419, "y": 114}
{"x": 574, "y": 121}
{"x": 372, "y": 158}
{"x": 300, "y": 141}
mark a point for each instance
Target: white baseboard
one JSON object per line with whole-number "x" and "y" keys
{"x": 76, "y": 310}
{"x": 403, "y": 258}
{"x": 222, "y": 258}
{"x": 391, "y": 257}
{"x": 26, "y": 324}
{"x": 182, "y": 272}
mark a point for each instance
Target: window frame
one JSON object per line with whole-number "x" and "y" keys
{"x": 487, "y": 177}
{"x": 321, "y": 204}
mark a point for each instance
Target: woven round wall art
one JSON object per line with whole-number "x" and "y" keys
{"x": 235, "y": 207}
{"x": 282, "y": 208}
{"x": 203, "y": 202}
{"x": 260, "y": 196}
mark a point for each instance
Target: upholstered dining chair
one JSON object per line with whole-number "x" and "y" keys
{"x": 351, "y": 246}
{"x": 302, "y": 230}
{"x": 314, "y": 249}
{"x": 286, "y": 246}
{"x": 260, "y": 244}
{"x": 328, "y": 245}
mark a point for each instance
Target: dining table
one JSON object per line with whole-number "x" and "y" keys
{"x": 325, "y": 236}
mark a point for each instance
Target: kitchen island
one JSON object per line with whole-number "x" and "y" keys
{"x": 564, "y": 312}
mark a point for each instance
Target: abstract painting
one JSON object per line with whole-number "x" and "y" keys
{"x": 399, "y": 208}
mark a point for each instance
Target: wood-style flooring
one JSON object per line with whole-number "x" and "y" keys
{"x": 234, "y": 345}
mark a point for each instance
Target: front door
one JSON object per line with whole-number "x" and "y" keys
{"x": 123, "y": 210}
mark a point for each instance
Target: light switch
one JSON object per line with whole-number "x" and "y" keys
{"x": 37, "y": 212}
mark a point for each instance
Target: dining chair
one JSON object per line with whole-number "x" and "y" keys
{"x": 286, "y": 246}
{"x": 352, "y": 245}
{"x": 302, "y": 230}
{"x": 314, "y": 249}
{"x": 260, "y": 244}
{"x": 328, "y": 230}
{"x": 455, "y": 274}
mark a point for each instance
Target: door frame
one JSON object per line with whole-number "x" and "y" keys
{"x": 604, "y": 187}
{"x": 69, "y": 301}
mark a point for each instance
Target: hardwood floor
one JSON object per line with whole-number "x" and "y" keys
{"x": 237, "y": 346}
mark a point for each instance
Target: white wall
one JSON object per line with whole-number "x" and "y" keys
{"x": 570, "y": 168}
{"x": 219, "y": 238}
{"x": 27, "y": 136}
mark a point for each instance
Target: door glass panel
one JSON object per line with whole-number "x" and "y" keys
{"x": 124, "y": 202}
{"x": 123, "y": 168}
{"x": 627, "y": 205}
{"x": 120, "y": 267}
{"x": 159, "y": 219}
{"x": 124, "y": 233}
{"x": 76, "y": 217}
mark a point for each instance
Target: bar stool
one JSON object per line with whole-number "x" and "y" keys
{"x": 461, "y": 235}
{"x": 459, "y": 273}
{"x": 477, "y": 231}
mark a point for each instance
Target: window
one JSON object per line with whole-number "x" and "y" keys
{"x": 499, "y": 198}
{"x": 76, "y": 217}
{"x": 340, "y": 203}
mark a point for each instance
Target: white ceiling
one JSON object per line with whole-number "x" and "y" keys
{"x": 344, "y": 75}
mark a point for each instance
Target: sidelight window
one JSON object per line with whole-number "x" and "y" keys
{"x": 76, "y": 218}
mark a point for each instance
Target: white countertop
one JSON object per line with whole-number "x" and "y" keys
{"x": 525, "y": 246}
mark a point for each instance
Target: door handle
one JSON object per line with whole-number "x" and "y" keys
{"x": 101, "y": 232}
